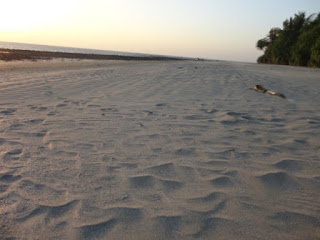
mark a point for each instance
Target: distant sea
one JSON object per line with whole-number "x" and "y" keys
{"x": 37, "y": 47}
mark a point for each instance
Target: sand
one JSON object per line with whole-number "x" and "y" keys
{"x": 158, "y": 150}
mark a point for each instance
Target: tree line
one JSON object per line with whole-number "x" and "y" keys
{"x": 297, "y": 43}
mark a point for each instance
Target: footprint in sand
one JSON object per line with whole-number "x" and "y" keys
{"x": 97, "y": 230}
{"x": 36, "y": 121}
{"x": 290, "y": 165}
{"x": 145, "y": 181}
{"x": 9, "y": 178}
{"x": 13, "y": 155}
{"x": 8, "y": 111}
{"x": 41, "y": 109}
{"x": 222, "y": 182}
{"x": 161, "y": 105}
{"x": 279, "y": 180}
{"x": 61, "y": 105}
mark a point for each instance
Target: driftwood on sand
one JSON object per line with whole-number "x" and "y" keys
{"x": 261, "y": 89}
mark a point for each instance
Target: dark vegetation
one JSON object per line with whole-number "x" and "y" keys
{"x": 14, "y": 55}
{"x": 297, "y": 43}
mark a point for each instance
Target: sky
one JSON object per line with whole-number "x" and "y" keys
{"x": 214, "y": 29}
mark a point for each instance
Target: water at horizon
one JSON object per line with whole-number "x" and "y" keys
{"x": 38, "y": 47}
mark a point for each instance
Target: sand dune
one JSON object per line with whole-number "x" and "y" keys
{"x": 158, "y": 150}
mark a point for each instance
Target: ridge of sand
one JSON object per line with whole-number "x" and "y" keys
{"x": 158, "y": 150}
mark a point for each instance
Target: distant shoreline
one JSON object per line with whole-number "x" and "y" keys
{"x": 33, "y": 55}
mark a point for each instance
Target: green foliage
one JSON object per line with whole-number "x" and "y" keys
{"x": 315, "y": 54}
{"x": 298, "y": 43}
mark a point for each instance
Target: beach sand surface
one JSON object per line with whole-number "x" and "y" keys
{"x": 158, "y": 150}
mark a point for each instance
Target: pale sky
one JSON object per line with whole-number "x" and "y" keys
{"x": 215, "y": 29}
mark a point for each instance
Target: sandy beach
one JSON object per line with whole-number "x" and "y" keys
{"x": 158, "y": 150}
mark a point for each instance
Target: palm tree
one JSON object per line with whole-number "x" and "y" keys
{"x": 295, "y": 44}
{"x": 309, "y": 33}
{"x": 265, "y": 44}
